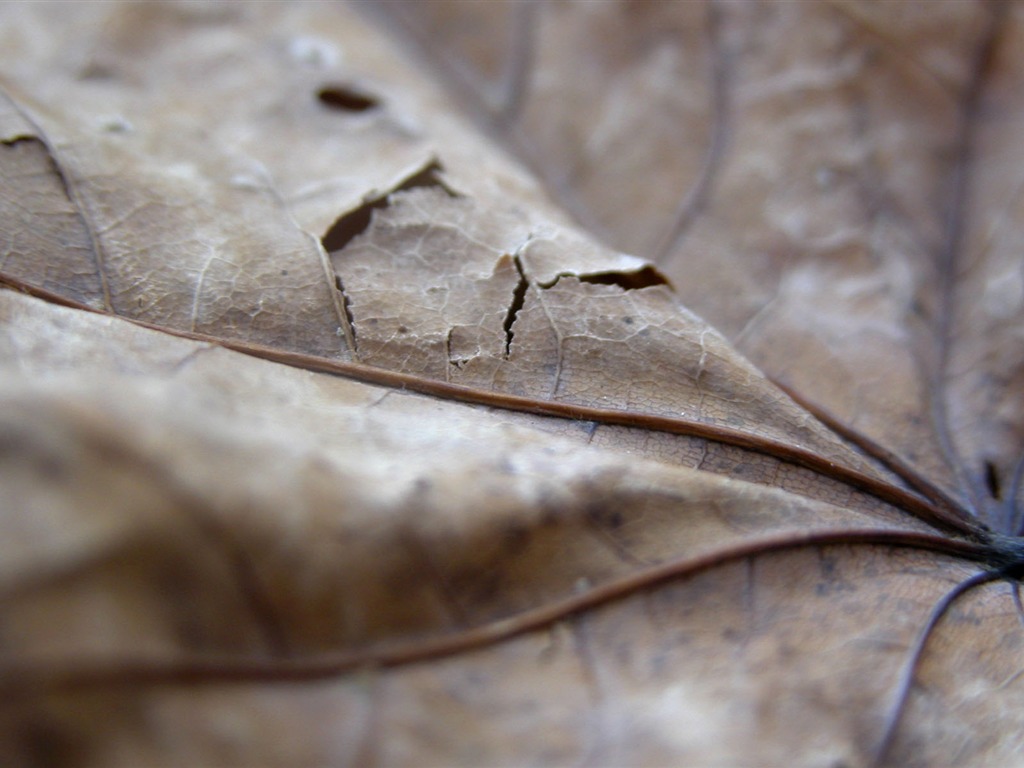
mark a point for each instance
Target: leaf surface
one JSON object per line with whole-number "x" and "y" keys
{"x": 840, "y": 175}
{"x": 349, "y": 446}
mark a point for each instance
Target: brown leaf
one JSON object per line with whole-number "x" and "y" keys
{"x": 848, "y": 191}
{"x": 346, "y": 446}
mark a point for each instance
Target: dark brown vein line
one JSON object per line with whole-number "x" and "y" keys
{"x": 949, "y": 258}
{"x": 696, "y": 197}
{"x": 19, "y": 677}
{"x": 920, "y": 507}
{"x": 891, "y": 461}
{"x": 906, "y": 681}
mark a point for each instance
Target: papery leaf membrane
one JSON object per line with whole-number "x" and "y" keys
{"x": 496, "y": 493}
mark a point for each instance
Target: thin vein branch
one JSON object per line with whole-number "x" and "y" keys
{"x": 604, "y": 724}
{"x": 928, "y": 75}
{"x": 948, "y": 260}
{"x": 71, "y": 190}
{"x": 338, "y": 297}
{"x": 1017, "y": 602}
{"x": 369, "y": 739}
{"x": 906, "y": 681}
{"x": 697, "y": 195}
{"x": 518, "y": 65}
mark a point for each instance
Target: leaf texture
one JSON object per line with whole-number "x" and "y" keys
{"x": 329, "y": 435}
{"x": 842, "y": 178}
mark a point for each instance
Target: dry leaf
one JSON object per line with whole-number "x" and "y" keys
{"x": 329, "y": 438}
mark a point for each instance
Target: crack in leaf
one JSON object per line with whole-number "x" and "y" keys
{"x": 992, "y": 481}
{"x": 645, "y": 277}
{"x": 350, "y": 225}
{"x": 453, "y": 362}
{"x": 346, "y": 304}
{"x": 518, "y": 299}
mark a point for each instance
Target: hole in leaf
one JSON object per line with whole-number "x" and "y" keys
{"x": 346, "y": 98}
{"x": 992, "y": 481}
{"x": 354, "y": 223}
